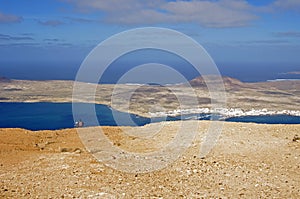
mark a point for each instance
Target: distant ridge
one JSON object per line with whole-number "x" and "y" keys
{"x": 4, "y": 79}
{"x": 235, "y": 84}
{"x": 281, "y": 85}
{"x": 228, "y": 81}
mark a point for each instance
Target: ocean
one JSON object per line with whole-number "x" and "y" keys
{"x": 246, "y": 72}
{"x": 267, "y": 119}
{"x": 52, "y": 116}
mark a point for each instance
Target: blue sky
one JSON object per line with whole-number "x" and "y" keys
{"x": 232, "y": 31}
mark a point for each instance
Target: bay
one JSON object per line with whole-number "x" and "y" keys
{"x": 52, "y": 116}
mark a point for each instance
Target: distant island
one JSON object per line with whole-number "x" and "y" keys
{"x": 273, "y": 96}
{"x": 4, "y": 79}
{"x": 291, "y": 73}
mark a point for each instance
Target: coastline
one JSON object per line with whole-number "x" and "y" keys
{"x": 225, "y": 113}
{"x": 46, "y": 110}
{"x": 243, "y": 99}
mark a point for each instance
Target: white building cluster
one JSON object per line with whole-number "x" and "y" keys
{"x": 225, "y": 112}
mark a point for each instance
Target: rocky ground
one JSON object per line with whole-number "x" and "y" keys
{"x": 249, "y": 161}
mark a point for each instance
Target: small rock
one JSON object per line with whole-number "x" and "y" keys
{"x": 77, "y": 150}
{"x": 296, "y": 138}
{"x": 66, "y": 150}
{"x": 188, "y": 172}
{"x": 41, "y": 145}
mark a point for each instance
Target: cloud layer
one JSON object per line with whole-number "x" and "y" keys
{"x": 222, "y": 13}
{"x": 5, "y": 37}
{"x": 207, "y": 13}
{"x": 52, "y": 23}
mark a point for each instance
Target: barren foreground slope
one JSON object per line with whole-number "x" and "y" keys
{"x": 249, "y": 161}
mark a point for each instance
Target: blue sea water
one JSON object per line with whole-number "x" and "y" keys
{"x": 67, "y": 70}
{"x": 51, "y": 116}
{"x": 267, "y": 119}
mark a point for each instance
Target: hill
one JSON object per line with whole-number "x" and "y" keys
{"x": 276, "y": 96}
{"x": 249, "y": 161}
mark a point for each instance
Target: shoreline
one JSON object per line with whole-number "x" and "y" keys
{"x": 106, "y": 126}
{"x": 149, "y": 100}
{"x": 199, "y": 114}
{"x": 6, "y": 79}
{"x": 226, "y": 112}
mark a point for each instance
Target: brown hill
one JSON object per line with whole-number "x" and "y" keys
{"x": 228, "y": 81}
{"x": 232, "y": 83}
{"x": 280, "y": 85}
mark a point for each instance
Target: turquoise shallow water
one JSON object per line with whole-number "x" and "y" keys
{"x": 50, "y": 116}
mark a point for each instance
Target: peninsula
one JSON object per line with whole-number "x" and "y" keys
{"x": 151, "y": 100}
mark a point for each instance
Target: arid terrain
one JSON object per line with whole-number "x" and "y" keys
{"x": 284, "y": 95}
{"x": 249, "y": 161}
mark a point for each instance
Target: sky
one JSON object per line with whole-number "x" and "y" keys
{"x": 234, "y": 32}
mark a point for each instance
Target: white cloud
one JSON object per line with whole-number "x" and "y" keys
{"x": 221, "y": 13}
{"x": 114, "y": 5}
